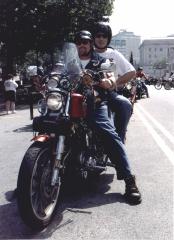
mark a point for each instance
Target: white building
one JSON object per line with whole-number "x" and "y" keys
{"x": 127, "y": 42}
{"x": 157, "y": 56}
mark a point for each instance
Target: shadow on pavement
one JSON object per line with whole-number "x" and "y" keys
{"x": 77, "y": 201}
{"x": 27, "y": 128}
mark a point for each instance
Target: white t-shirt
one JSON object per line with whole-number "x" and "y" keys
{"x": 84, "y": 63}
{"x": 10, "y": 85}
{"x": 122, "y": 64}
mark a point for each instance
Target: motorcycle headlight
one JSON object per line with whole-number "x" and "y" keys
{"x": 53, "y": 82}
{"x": 54, "y": 102}
{"x": 129, "y": 86}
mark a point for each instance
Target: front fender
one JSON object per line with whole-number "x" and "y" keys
{"x": 41, "y": 138}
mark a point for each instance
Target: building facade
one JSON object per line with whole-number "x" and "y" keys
{"x": 127, "y": 43}
{"x": 157, "y": 56}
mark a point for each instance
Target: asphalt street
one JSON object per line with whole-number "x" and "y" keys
{"x": 100, "y": 212}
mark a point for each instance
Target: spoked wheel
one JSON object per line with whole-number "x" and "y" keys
{"x": 158, "y": 85}
{"x": 37, "y": 199}
{"x": 43, "y": 195}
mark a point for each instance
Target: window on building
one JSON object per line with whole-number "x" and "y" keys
{"x": 117, "y": 42}
{"x": 123, "y": 42}
{"x": 149, "y": 49}
{"x": 161, "y": 49}
{"x": 150, "y": 56}
{"x": 120, "y": 43}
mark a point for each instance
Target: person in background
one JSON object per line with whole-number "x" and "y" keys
{"x": 124, "y": 72}
{"x": 142, "y": 75}
{"x": 10, "y": 93}
{"x": 98, "y": 116}
{"x": 37, "y": 86}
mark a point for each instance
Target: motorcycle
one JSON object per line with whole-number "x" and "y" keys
{"x": 140, "y": 91}
{"x": 169, "y": 84}
{"x": 151, "y": 81}
{"x": 161, "y": 82}
{"x": 134, "y": 90}
{"x": 63, "y": 142}
{"x": 129, "y": 91}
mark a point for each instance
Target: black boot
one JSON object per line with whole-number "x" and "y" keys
{"x": 132, "y": 193}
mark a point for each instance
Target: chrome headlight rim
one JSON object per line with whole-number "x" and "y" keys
{"x": 54, "y": 101}
{"x": 41, "y": 107}
{"x": 53, "y": 82}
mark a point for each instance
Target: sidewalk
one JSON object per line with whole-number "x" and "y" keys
{"x": 20, "y": 110}
{"x": 19, "y": 107}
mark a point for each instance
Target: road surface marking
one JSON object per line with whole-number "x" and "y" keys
{"x": 157, "y": 124}
{"x": 167, "y": 151}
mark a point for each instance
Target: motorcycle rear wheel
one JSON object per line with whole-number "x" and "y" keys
{"x": 36, "y": 198}
{"x": 167, "y": 86}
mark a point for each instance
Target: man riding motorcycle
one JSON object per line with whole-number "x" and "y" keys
{"x": 98, "y": 116}
{"x": 141, "y": 74}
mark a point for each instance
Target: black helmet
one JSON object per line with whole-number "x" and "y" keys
{"x": 84, "y": 34}
{"x": 103, "y": 28}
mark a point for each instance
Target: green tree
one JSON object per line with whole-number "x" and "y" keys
{"x": 43, "y": 25}
{"x": 131, "y": 60}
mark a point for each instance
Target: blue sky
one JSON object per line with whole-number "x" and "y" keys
{"x": 147, "y": 18}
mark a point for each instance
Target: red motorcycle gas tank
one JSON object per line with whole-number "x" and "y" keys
{"x": 77, "y": 109}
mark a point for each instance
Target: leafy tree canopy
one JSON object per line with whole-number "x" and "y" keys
{"x": 43, "y": 25}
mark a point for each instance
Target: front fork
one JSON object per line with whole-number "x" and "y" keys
{"x": 57, "y": 161}
{"x": 60, "y": 150}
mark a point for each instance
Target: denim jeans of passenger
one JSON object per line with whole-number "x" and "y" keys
{"x": 113, "y": 144}
{"x": 122, "y": 110}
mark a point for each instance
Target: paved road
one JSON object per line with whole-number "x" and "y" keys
{"x": 100, "y": 212}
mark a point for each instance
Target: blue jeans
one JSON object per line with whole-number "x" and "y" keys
{"x": 113, "y": 144}
{"x": 122, "y": 109}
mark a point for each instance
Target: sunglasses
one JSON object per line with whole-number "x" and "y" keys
{"x": 99, "y": 35}
{"x": 82, "y": 41}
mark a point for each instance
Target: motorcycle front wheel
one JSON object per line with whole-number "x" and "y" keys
{"x": 36, "y": 197}
{"x": 158, "y": 85}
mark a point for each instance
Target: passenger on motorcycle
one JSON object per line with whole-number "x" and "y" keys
{"x": 124, "y": 71}
{"x": 141, "y": 74}
{"x": 98, "y": 116}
